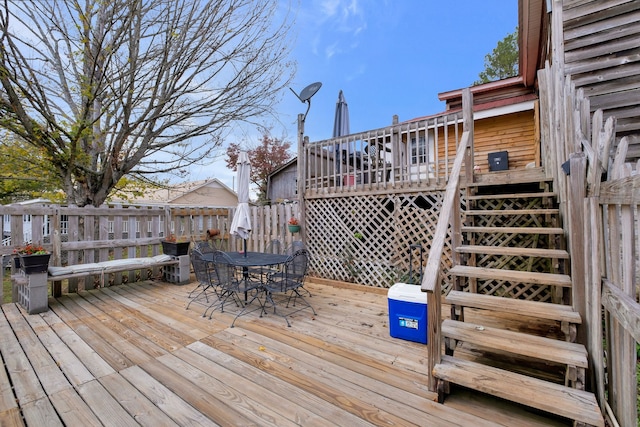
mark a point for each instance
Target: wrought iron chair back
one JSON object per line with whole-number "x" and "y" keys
{"x": 207, "y": 281}
{"x": 204, "y": 247}
{"x": 294, "y": 247}
{"x": 232, "y": 282}
{"x": 275, "y": 247}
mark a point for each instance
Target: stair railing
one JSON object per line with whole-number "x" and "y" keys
{"x": 431, "y": 281}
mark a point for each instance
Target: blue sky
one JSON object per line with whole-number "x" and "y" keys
{"x": 388, "y": 57}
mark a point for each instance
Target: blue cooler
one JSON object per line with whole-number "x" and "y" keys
{"x": 408, "y": 312}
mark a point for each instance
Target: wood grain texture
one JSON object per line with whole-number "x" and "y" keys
{"x": 134, "y": 355}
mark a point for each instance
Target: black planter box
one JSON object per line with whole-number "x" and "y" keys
{"x": 175, "y": 248}
{"x": 35, "y": 263}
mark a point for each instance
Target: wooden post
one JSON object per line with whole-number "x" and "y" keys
{"x": 467, "y": 126}
{"x": 302, "y": 165}
{"x": 577, "y": 180}
{"x": 593, "y": 322}
{"x": 56, "y": 250}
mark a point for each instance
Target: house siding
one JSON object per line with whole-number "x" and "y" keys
{"x": 515, "y": 133}
{"x": 283, "y": 184}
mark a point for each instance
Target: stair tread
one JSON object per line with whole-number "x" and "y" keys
{"x": 514, "y": 230}
{"x": 542, "y": 310}
{"x": 558, "y": 399}
{"x": 512, "y": 196}
{"x": 487, "y": 212}
{"x": 523, "y": 344}
{"x": 519, "y": 176}
{"x": 536, "y": 368}
{"x": 512, "y": 275}
{"x": 514, "y": 251}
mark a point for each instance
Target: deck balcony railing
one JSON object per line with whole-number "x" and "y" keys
{"x": 418, "y": 153}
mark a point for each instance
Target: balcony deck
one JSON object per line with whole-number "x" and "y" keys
{"x": 132, "y": 355}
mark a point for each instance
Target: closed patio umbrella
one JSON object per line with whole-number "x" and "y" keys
{"x": 241, "y": 224}
{"x": 341, "y": 121}
{"x": 340, "y": 125}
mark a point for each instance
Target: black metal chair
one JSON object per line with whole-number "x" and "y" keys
{"x": 231, "y": 282}
{"x": 207, "y": 281}
{"x": 204, "y": 247}
{"x": 296, "y": 246}
{"x": 289, "y": 281}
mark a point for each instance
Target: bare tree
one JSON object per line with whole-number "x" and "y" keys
{"x": 136, "y": 87}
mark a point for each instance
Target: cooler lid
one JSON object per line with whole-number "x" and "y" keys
{"x": 407, "y": 292}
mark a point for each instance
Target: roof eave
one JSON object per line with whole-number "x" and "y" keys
{"x": 486, "y": 87}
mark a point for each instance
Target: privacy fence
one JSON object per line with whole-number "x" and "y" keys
{"x": 604, "y": 236}
{"x": 360, "y": 239}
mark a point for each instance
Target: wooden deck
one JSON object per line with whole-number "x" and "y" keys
{"x": 132, "y": 355}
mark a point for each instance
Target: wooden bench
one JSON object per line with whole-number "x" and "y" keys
{"x": 112, "y": 266}
{"x": 31, "y": 290}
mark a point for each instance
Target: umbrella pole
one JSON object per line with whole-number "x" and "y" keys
{"x": 245, "y": 247}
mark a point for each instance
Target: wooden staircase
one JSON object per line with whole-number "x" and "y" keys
{"x": 512, "y": 329}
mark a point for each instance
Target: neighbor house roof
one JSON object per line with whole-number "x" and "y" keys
{"x": 210, "y": 192}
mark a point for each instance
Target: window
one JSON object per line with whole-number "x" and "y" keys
{"x": 64, "y": 224}
{"x": 418, "y": 151}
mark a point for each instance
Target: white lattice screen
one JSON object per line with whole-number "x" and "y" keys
{"x": 366, "y": 239}
{"x": 527, "y": 291}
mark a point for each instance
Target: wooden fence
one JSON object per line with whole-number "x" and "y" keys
{"x": 609, "y": 240}
{"x": 611, "y": 251}
{"x": 603, "y": 233}
{"x": 76, "y": 235}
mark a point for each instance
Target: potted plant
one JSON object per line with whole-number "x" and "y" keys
{"x": 175, "y": 246}
{"x": 294, "y": 225}
{"x": 33, "y": 258}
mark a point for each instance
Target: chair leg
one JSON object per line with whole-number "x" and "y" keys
{"x": 222, "y": 299}
{"x": 269, "y": 297}
{"x": 204, "y": 290}
{"x": 295, "y": 294}
{"x": 244, "y": 309}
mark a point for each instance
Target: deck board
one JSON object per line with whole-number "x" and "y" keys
{"x": 133, "y": 355}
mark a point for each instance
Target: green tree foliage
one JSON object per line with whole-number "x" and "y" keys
{"x": 502, "y": 62}
{"x": 108, "y": 89}
{"x": 25, "y": 173}
{"x": 268, "y": 155}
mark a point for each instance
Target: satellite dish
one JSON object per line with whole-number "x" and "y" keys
{"x": 306, "y": 94}
{"x": 309, "y": 91}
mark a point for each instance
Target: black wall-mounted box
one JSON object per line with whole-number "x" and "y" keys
{"x": 499, "y": 161}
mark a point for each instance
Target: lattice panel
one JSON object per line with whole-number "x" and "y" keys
{"x": 366, "y": 239}
{"x": 526, "y": 291}
{"x": 503, "y": 288}
{"x": 417, "y": 219}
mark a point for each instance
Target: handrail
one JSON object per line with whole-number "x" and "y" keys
{"x": 431, "y": 278}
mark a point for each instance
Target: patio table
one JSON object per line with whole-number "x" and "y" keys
{"x": 251, "y": 260}
{"x": 256, "y": 259}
